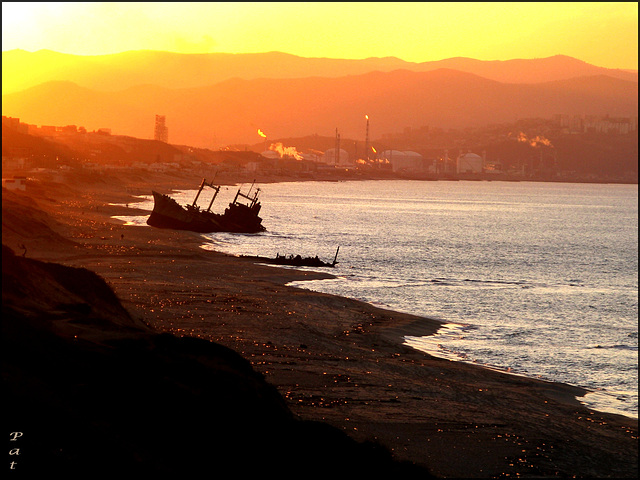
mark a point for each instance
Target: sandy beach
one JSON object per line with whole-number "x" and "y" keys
{"x": 332, "y": 360}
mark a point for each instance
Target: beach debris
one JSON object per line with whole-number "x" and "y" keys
{"x": 296, "y": 261}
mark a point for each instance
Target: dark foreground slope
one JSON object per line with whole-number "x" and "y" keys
{"x": 93, "y": 392}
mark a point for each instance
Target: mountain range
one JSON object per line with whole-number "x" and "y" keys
{"x": 175, "y": 70}
{"x": 214, "y": 99}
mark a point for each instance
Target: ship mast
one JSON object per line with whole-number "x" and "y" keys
{"x": 253, "y": 199}
{"x": 204, "y": 182}
{"x": 217, "y": 189}
{"x": 202, "y": 185}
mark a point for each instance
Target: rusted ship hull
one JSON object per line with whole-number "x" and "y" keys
{"x": 237, "y": 218}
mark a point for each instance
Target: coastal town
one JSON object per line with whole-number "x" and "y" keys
{"x": 562, "y": 148}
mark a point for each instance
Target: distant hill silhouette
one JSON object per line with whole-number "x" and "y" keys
{"x": 557, "y": 67}
{"x": 175, "y": 70}
{"x": 231, "y": 111}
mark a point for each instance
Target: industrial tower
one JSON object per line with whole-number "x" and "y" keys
{"x": 161, "y": 131}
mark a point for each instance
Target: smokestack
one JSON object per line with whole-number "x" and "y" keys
{"x": 336, "y": 155}
{"x": 366, "y": 141}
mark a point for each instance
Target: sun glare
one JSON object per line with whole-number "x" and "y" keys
{"x": 30, "y": 20}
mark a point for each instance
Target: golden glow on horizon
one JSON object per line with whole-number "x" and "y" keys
{"x": 601, "y": 33}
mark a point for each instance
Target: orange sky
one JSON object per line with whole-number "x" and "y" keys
{"x": 604, "y": 34}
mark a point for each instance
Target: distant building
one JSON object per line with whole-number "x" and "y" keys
{"x": 340, "y": 159}
{"x": 403, "y": 161}
{"x": 15, "y": 124}
{"x": 596, "y": 124}
{"x": 48, "y": 130}
{"x": 272, "y": 154}
{"x": 15, "y": 183}
{"x": 14, "y": 159}
{"x": 161, "y": 132}
{"x": 469, "y": 163}
{"x": 68, "y": 129}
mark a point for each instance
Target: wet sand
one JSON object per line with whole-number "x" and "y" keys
{"x": 332, "y": 359}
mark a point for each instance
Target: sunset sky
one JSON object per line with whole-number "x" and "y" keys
{"x": 601, "y": 33}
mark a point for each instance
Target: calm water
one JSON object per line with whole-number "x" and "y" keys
{"x": 539, "y": 279}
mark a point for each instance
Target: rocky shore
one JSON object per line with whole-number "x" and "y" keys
{"x": 129, "y": 348}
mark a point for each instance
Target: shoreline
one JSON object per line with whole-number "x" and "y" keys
{"x": 424, "y": 327}
{"x": 573, "y": 395}
{"x": 333, "y": 359}
{"x": 580, "y": 396}
{"x": 417, "y": 328}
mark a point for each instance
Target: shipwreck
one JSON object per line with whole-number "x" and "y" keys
{"x": 241, "y": 216}
{"x": 296, "y": 261}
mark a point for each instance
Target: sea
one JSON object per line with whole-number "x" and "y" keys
{"x": 531, "y": 278}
